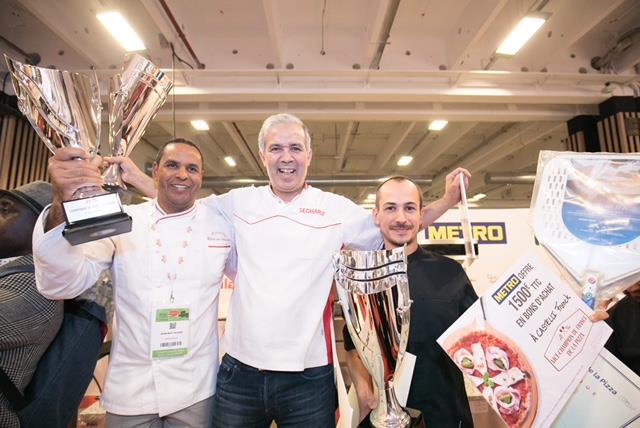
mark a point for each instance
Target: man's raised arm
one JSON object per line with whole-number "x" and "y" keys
{"x": 435, "y": 209}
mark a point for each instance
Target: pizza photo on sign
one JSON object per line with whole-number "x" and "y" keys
{"x": 500, "y": 371}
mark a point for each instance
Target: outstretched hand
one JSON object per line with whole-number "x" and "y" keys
{"x": 435, "y": 209}
{"x": 452, "y": 185}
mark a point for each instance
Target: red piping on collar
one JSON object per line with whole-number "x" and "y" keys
{"x": 166, "y": 216}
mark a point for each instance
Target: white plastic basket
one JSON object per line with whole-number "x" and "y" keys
{"x": 585, "y": 212}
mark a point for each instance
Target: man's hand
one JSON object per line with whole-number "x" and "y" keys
{"x": 452, "y": 186}
{"x": 131, "y": 174}
{"x": 434, "y": 210}
{"x": 600, "y": 311}
{"x": 367, "y": 399}
{"x": 70, "y": 169}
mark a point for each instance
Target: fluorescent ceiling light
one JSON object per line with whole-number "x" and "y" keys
{"x": 437, "y": 125}
{"x": 405, "y": 160}
{"x": 200, "y": 125}
{"x": 525, "y": 29}
{"x": 371, "y": 197}
{"x": 477, "y": 197}
{"x": 121, "y": 31}
{"x": 230, "y": 161}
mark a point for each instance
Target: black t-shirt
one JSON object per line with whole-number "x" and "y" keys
{"x": 624, "y": 343}
{"x": 441, "y": 292}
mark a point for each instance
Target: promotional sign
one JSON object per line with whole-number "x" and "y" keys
{"x": 608, "y": 396}
{"x": 526, "y": 344}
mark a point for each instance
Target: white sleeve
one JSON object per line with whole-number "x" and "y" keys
{"x": 360, "y": 232}
{"x": 64, "y": 271}
{"x": 231, "y": 266}
{"x": 222, "y": 204}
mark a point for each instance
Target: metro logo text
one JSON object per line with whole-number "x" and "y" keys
{"x": 503, "y": 292}
{"x": 483, "y": 233}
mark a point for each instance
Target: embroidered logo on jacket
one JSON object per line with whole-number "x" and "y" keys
{"x": 218, "y": 240}
{"x": 312, "y": 211}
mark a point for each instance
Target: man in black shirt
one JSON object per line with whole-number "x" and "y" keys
{"x": 624, "y": 319}
{"x": 441, "y": 292}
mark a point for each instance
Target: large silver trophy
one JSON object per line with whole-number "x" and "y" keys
{"x": 64, "y": 108}
{"x": 374, "y": 295}
{"x": 135, "y": 97}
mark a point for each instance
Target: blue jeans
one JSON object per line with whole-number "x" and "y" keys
{"x": 247, "y": 397}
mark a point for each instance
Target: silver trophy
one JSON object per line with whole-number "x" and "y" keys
{"x": 64, "y": 109}
{"x": 135, "y": 96}
{"x": 374, "y": 295}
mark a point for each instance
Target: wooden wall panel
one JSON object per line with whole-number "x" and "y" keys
{"x": 23, "y": 157}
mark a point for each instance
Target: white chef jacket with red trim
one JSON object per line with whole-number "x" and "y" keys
{"x": 277, "y": 318}
{"x": 146, "y": 269}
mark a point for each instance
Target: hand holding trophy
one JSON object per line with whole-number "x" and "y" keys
{"x": 64, "y": 109}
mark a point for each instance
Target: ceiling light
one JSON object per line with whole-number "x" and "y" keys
{"x": 437, "y": 125}
{"x": 200, "y": 125}
{"x": 371, "y": 197}
{"x": 230, "y": 161}
{"x": 405, "y": 160}
{"x": 522, "y": 32}
{"x": 121, "y": 31}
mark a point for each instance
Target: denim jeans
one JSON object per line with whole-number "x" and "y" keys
{"x": 251, "y": 398}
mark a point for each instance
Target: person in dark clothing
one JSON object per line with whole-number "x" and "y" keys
{"x": 441, "y": 292}
{"x": 624, "y": 319}
{"x": 28, "y": 321}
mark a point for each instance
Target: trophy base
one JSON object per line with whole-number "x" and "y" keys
{"x": 417, "y": 420}
{"x": 97, "y": 228}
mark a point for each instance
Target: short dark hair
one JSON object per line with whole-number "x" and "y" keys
{"x": 399, "y": 178}
{"x": 177, "y": 141}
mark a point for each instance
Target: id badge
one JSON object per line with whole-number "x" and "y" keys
{"x": 170, "y": 331}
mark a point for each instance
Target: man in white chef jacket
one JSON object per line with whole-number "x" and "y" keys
{"x": 167, "y": 274}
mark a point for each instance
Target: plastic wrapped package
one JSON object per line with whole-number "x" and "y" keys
{"x": 585, "y": 212}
